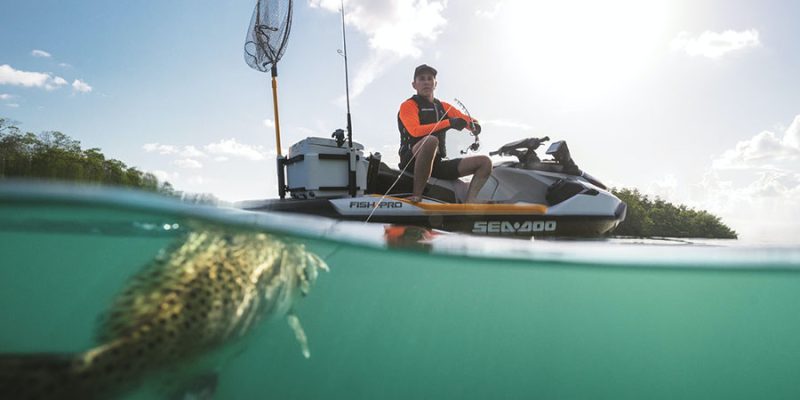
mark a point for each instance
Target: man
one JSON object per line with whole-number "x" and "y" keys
{"x": 423, "y": 121}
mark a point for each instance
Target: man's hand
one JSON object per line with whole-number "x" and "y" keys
{"x": 476, "y": 129}
{"x": 458, "y": 123}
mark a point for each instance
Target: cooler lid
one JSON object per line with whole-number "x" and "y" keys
{"x": 325, "y": 142}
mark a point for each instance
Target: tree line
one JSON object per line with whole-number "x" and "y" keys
{"x": 655, "y": 217}
{"x": 55, "y": 156}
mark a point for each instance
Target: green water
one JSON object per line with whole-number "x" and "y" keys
{"x": 398, "y": 324}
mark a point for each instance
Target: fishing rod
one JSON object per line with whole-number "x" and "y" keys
{"x": 352, "y": 163}
{"x": 346, "y": 81}
{"x": 476, "y": 143}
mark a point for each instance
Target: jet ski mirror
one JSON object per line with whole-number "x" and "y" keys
{"x": 557, "y": 149}
{"x": 560, "y": 153}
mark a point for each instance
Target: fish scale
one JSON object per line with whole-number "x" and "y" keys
{"x": 196, "y": 297}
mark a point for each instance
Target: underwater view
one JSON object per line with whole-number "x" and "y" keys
{"x": 110, "y": 293}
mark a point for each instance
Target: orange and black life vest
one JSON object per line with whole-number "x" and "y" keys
{"x": 419, "y": 118}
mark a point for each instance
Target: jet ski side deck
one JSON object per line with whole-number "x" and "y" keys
{"x": 522, "y": 220}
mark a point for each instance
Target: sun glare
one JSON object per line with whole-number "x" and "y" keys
{"x": 582, "y": 48}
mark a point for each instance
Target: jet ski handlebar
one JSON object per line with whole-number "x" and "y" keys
{"x": 520, "y": 147}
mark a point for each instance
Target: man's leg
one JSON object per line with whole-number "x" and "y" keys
{"x": 425, "y": 151}
{"x": 480, "y": 167}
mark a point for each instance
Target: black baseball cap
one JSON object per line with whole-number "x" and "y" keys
{"x": 424, "y": 68}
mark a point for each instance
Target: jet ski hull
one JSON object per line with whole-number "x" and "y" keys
{"x": 522, "y": 220}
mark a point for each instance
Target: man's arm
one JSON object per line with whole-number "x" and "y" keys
{"x": 409, "y": 116}
{"x": 453, "y": 112}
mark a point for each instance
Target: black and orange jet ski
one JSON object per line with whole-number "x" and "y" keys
{"x": 526, "y": 197}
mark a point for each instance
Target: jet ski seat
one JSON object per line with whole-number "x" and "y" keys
{"x": 381, "y": 177}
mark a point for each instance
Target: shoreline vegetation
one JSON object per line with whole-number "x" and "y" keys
{"x": 55, "y": 156}
{"x": 656, "y": 217}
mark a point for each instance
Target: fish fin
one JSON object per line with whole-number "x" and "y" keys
{"x": 299, "y": 334}
{"x": 38, "y": 376}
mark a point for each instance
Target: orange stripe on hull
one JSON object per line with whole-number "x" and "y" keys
{"x": 476, "y": 208}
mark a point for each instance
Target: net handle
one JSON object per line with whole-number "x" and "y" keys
{"x": 275, "y": 109}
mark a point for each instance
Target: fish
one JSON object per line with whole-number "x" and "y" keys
{"x": 176, "y": 316}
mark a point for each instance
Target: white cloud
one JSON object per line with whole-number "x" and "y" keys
{"x": 81, "y": 86}
{"x": 11, "y": 76}
{"x": 792, "y": 134}
{"x": 371, "y": 69}
{"x": 489, "y": 13}
{"x": 763, "y": 151}
{"x": 714, "y": 44}
{"x": 755, "y": 186}
{"x": 55, "y": 83}
{"x": 59, "y": 81}
{"x": 6, "y": 96}
{"x": 188, "y": 163}
{"x": 230, "y": 147}
{"x": 12, "y": 105}
{"x": 191, "y": 158}
{"x": 165, "y": 176}
{"x": 504, "y": 123}
{"x": 269, "y": 123}
{"x": 775, "y": 184}
{"x": 160, "y": 148}
{"x": 191, "y": 151}
{"x": 396, "y": 29}
{"x": 762, "y": 210}
{"x": 164, "y": 149}
{"x": 40, "y": 53}
{"x": 769, "y": 185}
{"x": 64, "y": 65}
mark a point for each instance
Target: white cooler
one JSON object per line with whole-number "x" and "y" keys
{"x": 317, "y": 168}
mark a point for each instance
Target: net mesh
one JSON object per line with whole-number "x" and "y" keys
{"x": 268, "y": 33}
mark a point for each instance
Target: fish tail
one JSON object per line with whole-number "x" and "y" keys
{"x": 38, "y": 376}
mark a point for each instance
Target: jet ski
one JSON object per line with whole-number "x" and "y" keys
{"x": 527, "y": 197}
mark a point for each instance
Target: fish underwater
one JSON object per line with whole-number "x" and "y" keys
{"x": 175, "y": 319}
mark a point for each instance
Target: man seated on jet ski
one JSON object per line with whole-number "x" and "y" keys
{"x": 423, "y": 121}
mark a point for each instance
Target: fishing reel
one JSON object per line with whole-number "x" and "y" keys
{"x": 476, "y": 143}
{"x": 473, "y": 147}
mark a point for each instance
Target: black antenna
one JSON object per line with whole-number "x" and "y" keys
{"x": 346, "y": 82}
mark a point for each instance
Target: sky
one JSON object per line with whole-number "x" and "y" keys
{"x": 697, "y": 102}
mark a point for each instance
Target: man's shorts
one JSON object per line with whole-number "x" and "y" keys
{"x": 442, "y": 168}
